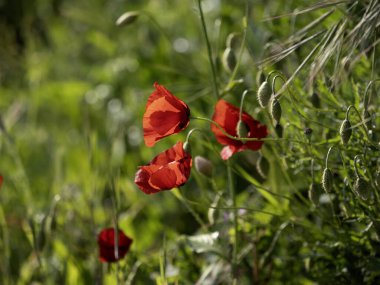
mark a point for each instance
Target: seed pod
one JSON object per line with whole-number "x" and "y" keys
{"x": 275, "y": 110}
{"x": 362, "y": 188}
{"x": 203, "y": 166}
{"x": 262, "y": 166}
{"x": 314, "y": 193}
{"x": 242, "y": 129}
{"x": 327, "y": 180}
{"x": 279, "y": 130}
{"x": 345, "y": 131}
{"x": 315, "y": 100}
{"x": 127, "y": 18}
{"x": 263, "y": 94}
{"x": 229, "y": 59}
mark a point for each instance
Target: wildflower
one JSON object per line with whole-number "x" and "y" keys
{"x": 227, "y": 116}
{"x": 167, "y": 170}
{"x": 164, "y": 115}
{"x": 106, "y": 243}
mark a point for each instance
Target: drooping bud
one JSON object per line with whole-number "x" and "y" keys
{"x": 187, "y": 147}
{"x": 232, "y": 41}
{"x": 242, "y": 129}
{"x": 279, "y": 130}
{"x": 362, "y": 188}
{"x": 314, "y": 193}
{"x": 315, "y": 100}
{"x": 127, "y": 18}
{"x": 229, "y": 59}
{"x": 203, "y": 166}
{"x": 264, "y": 93}
{"x": 260, "y": 77}
{"x": 345, "y": 131}
{"x": 276, "y": 110}
{"x": 262, "y": 166}
{"x": 327, "y": 180}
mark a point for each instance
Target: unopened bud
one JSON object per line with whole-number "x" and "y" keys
{"x": 203, "y": 166}
{"x": 314, "y": 193}
{"x": 262, "y": 166}
{"x": 187, "y": 147}
{"x": 260, "y": 77}
{"x": 327, "y": 180}
{"x": 345, "y": 131}
{"x": 229, "y": 59}
{"x": 279, "y": 130}
{"x": 275, "y": 110}
{"x": 242, "y": 129}
{"x": 367, "y": 119}
{"x": 264, "y": 93}
{"x": 362, "y": 188}
{"x": 232, "y": 41}
{"x": 127, "y": 18}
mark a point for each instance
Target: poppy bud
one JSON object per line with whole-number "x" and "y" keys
{"x": 127, "y": 18}
{"x": 263, "y": 94}
{"x": 242, "y": 129}
{"x": 345, "y": 131}
{"x": 279, "y": 130}
{"x": 362, "y": 188}
{"x": 327, "y": 180}
{"x": 260, "y": 77}
{"x": 262, "y": 166}
{"x": 187, "y": 147}
{"x": 229, "y": 59}
{"x": 314, "y": 193}
{"x": 203, "y": 166}
{"x": 314, "y": 100}
{"x": 275, "y": 110}
{"x": 232, "y": 40}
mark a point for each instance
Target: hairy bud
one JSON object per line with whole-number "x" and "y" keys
{"x": 203, "y": 166}
{"x": 262, "y": 166}
{"x": 327, "y": 180}
{"x": 264, "y": 93}
{"x": 229, "y": 59}
{"x": 345, "y": 131}
{"x": 127, "y": 18}
{"x": 276, "y": 110}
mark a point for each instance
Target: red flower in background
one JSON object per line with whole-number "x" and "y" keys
{"x": 106, "y": 243}
{"x": 167, "y": 170}
{"x": 1, "y": 180}
{"x": 164, "y": 115}
{"x": 227, "y": 116}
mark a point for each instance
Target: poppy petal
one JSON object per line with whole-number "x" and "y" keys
{"x": 106, "y": 243}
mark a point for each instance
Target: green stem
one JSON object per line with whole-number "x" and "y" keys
{"x": 215, "y": 85}
{"x": 235, "y": 221}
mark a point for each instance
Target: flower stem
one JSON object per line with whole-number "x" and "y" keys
{"x": 215, "y": 85}
{"x": 235, "y": 221}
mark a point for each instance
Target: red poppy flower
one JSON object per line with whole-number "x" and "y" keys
{"x": 1, "y": 180}
{"x": 167, "y": 170}
{"x": 227, "y": 116}
{"x": 164, "y": 115}
{"x": 106, "y": 243}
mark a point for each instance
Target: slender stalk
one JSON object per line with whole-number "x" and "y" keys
{"x": 209, "y": 52}
{"x": 231, "y": 187}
